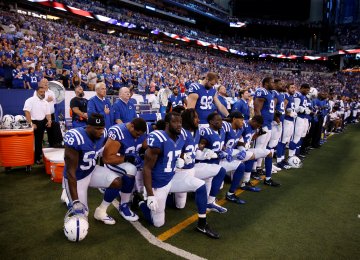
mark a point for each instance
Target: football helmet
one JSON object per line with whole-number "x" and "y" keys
{"x": 7, "y": 121}
{"x": 294, "y": 162}
{"x": 75, "y": 226}
{"x": 313, "y": 93}
{"x": 20, "y": 122}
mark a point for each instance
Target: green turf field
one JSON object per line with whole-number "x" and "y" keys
{"x": 314, "y": 214}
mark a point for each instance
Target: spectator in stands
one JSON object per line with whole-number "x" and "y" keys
{"x": 37, "y": 113}
{"x": 31, "y": 80}
{"x": 91, "y": 79}
{"x": 124, "y": 109}
{"x": 78, "y": 107}
{"x": 100, "y": 104}
{"x": 18, "y": 77}
{"x": 154, "y": 102}
{"x": 75, "y": 81}
{"x": 65, "y": 79}
{"x": 223, "y": 98}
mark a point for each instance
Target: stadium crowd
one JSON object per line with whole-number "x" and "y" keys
{"x": 150, "y": 23}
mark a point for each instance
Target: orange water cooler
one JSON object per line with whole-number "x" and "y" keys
{"x": 17, "y": 148}
{"x": 54, "y": 163}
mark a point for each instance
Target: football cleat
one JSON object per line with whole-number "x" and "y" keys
{"x": 215, "y": 207}
{"x": 208, "y": 231}
{"x": 272, "y": 183}
{"x": 255, "y": 175}
{"x": 234, "y": 198}
{"x": 249, "y": 187}
{"x": 283, "y": 165}
{"x": 101, "y": 215}
{"x": 273, "y": 171}
{"x": 126, "y": 212}
{"x": 302, "y": 156}
{"x": 276, "y": 168}
{"x": 146, "y": 212}
{"x": 64, "y": 198}
{"x": 260, "y": 171}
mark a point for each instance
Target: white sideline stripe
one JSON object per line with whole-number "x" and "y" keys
{"x": 156, "y": 242}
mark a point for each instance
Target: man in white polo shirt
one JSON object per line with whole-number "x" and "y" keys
{"x": 49, "y": 96}
{"x": 37, "y": 112}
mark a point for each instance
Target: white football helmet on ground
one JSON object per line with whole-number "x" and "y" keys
{"x": 75, "y": 226}
{"x": 7, "y": 121}
{"x": 294, "y": 162}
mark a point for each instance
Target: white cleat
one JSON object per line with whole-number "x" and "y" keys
{"x": 64, "y": 198}
{"x": 101, "y": 215}
{"x": 276, "y": 168}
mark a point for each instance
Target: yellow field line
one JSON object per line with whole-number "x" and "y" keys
{"x": 176, "y": 229}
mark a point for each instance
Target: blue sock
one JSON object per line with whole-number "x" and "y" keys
{"x": 201, "y": 199}
{"x": 237, "y": 177}
{"x": 128, "y": 184}
{"x": 249, "y": 165}
{"x": 292, "y": 145}
{"x": 146, "y": 212}
{"x": 268, "y": 166}
{"x": 110, "y": 194}
{"x": 280, "y": 150}
{"x": 217, "y": 181}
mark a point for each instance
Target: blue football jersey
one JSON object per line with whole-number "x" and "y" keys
{"x": 177, "y": 100}
{"x": 191, "y": 145}
{"x": 248, "y": 133}
{"x": 232, "y": 136}
{"x": 302, "y": 101}
{"x": 215, "y": 141}
{"x": 164, "y": 168}
{"x": 205, "y": 102}
{"x": 88, "y": 150}
{"x": 268, "y": 108}
{"x": 129, "y": 144}
{"x": 290, "y": 105}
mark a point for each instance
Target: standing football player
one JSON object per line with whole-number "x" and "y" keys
{"x": 202, "y": 96}
{"x": 264, "y": 105}
{"x": 301, "y": 123}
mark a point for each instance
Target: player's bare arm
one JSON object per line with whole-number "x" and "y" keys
{"x": 72, "y": 161}
{"x": 111, "y": 152}
{"x": 191, "y": 100}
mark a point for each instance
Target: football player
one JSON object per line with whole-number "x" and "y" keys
{"x": 202, "y": 96}
{"x": 212, "y": 174}
{"x": 233, "y": 132}
{"x": 161, "y": 158}
{"x": 301, "y": 124}
{"x": 276, "y": 125}
{"x": 122, "y": 155}
{"x": 82, "y": 147}
{"x": 264, "y": 105}
{"x": 287, "y": 127}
